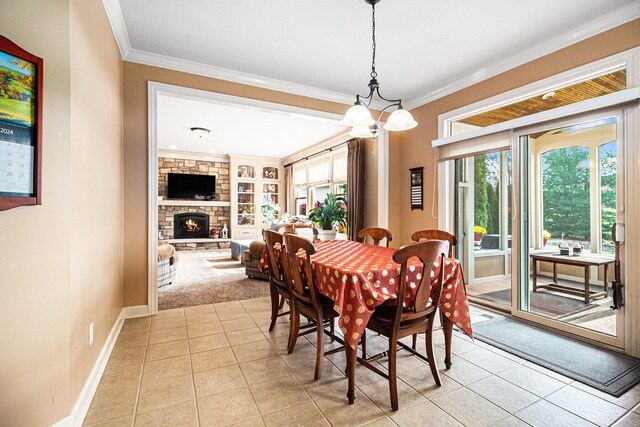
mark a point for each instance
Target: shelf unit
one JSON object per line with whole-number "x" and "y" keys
{"x": 255, "y": 182}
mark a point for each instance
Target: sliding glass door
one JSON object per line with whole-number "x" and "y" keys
{"x": 570, "y": 192}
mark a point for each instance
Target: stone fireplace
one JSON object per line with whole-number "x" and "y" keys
{"x": 190, "y": 225}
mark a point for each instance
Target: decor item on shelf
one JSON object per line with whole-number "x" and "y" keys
{"x": 577, "y": 248}
{"x": 240, "y": 189}
{"x": 359, "y": 115}
{"x": 332, "y": 213}
{"x": 200, "y": 132}
{"x": 478, "y": 232}
{"x": 269, "y": 174}
{"x": 214, "y": 233}
{"x": 244, "y": 172}
{"x": 545, "y": 236}
{"x": 270, "y": 212}
{"x": 20, "y": 126}
{"x": 224, "y": 234}
{"x": 564, "y": 248}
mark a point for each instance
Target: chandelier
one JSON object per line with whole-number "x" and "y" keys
{"x": 359, "y": 115}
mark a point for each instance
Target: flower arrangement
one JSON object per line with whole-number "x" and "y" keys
{"x": 478, "y": 229}
{"x": 478, "y": 232}
{"x": 545, "y": 236}
{"x": 269, "y": 212}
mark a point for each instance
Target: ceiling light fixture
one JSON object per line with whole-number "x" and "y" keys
{"x": 548, "y": 95}
{"x": 359, "y": 115}
{"x": 200, "y": 132}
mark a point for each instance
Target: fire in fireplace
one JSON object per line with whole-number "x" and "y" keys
{"x": 190, "y": 225}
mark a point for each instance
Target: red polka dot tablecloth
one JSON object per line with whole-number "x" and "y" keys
{"x": 359, "y": 277}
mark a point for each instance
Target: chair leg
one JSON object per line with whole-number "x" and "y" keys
{"x": 430, "y": 355}
{"x": 274, "y": 306}
{"x": 320, "y": 346}
{"x": 393, "y": 381}
{"x": 415, "y": 341}
{"x": 294, "y": 326}
{"x": 281, "y": 303}
{"x": 363, "y": 341}
{"x": 332, "y": 328}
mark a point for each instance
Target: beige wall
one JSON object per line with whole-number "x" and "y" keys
{"x": 136, "y": 77}
{"x": 96, "y": 184}
{"x": 413, "y": 148}
{"x": 47, "y": 294}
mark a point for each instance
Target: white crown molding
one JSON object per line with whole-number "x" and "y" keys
{"x": 114, "y": 13}
{"x": 591, "y": 28}
{"x": 610, "y": 20}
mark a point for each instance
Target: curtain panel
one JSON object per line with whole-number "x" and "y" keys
{"x": 288, "y": 188}
{"x": 355, "y": 187}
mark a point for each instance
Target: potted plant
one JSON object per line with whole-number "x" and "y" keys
{"x": 545, "y": 236}
{"x": 330, "y": 214}
{"x": 478, "y": 232}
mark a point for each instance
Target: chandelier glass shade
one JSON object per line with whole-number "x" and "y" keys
{"x": 359, "y": 115}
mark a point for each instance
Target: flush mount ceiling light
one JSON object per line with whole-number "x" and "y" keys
{"x": 359, "y": 116}
{"x": 200, "y": 132}
{"x": 548, "y": 95}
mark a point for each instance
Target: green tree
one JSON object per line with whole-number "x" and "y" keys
{"x": 565, "y": 192}
{"x": 480, "y": 199}
{"x": 493, "y": 209}
{"x": 608, "y": 174}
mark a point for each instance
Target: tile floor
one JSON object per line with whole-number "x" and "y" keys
{"x": 218, "y": 365}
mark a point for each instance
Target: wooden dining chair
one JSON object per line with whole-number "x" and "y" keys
{"x": 395, "y": 322}
{"x": 305, "y": 299}
{"x": 278, "y": 285}
{"x": 376, "y": 234}
{"x": 286, "y": 228}
{"x": 436, "y": 235}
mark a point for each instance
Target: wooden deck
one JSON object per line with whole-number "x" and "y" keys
{"x": 550, "y": 304}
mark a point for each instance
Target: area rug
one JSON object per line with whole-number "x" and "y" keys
{"x": 205, "y": 277}
{"x": 608, "y": 371}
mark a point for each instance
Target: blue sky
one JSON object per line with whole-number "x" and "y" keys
{"x": 5, "y": 61}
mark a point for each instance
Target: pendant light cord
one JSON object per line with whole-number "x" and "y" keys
{"x": 374, "y": 74}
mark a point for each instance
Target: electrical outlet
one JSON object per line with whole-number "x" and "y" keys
{"x": 91, "y": 334}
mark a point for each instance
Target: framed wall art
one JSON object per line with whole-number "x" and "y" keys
{"x": 20, "y": 126}
{"x": 416, "y": 188}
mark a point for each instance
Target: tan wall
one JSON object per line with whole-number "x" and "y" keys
{"x": 136, "y": 77}
{"x": 47, "y": 291}
{"x": 96, "y": 184}
{"x": 414, "y": 147}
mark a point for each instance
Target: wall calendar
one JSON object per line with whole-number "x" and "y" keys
{"x": 20, "y": 126}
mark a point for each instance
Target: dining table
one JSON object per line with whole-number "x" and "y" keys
{"x": 359, "y": 277}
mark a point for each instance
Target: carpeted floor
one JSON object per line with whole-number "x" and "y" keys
{"x": 206, "y": 277}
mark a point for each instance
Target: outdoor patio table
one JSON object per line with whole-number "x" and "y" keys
{"x": 359, "y": 277}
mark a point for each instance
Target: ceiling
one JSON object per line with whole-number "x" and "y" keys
{"x": 236, "y": 129}
{"x": 423, "y": 46}
{"x": 599, "y": 86}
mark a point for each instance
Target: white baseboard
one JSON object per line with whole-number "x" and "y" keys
{"x": 135, "y": 311}
{"x": 80, "y": 409}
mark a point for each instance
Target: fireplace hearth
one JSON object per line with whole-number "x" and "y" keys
{"x": 190, "y": 226}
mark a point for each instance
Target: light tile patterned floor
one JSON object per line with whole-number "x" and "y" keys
{"x": 218, "y": 365}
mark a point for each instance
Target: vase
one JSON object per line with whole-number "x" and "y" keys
{"x": 544, "y": 241}
{"x": 477, "y": 236}
{"x": 327, "y": 234}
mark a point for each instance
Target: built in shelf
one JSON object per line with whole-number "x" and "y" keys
{"x": 201, "y": 240}
{"x": 192, "y": 203}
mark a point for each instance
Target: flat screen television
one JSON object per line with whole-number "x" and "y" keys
{"x": 192, "y": 187}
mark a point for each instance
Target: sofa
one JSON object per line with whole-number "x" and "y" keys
{"x": 167, "y": 264}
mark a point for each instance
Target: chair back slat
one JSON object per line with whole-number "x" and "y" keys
{"x": 428, "y": 253}
{"x": 273, "y": 242}
{"x": 376, "y": 234}
{"x": 436, "y": 235}
{"x": 292, "y": 245}
{"x": 286, "y": 228}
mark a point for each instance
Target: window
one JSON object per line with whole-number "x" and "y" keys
{"x": 608, "y": 182}
{"x": 314, "y": 179}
